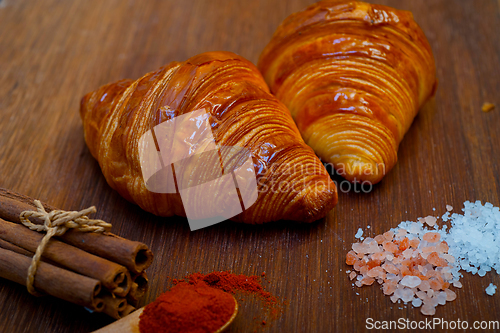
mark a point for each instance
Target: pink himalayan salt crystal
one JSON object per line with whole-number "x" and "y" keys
{"x": 379, "y": 256}
{"x": 411, "y": 281}
{"x": 430, "y": 220}
{"x": 414, "y": 243}
{"x": 367, "y": 281}
{"x": 424, "y": 285}
{"x": 428, "y": 310}
{"x": 422, "y": 295}
{"x": 448, "y": 276}
{"x": 350, "y": 258}
{"x": 449, "y": 208}
{"x": 434, "y": 259}
{"x": 376, "y": 272}
{"x": 435, "y": 285}
{"x": 449, "y": 258}
{"x": 390, "y": 268}
{"x": 401, "y": 233}
{"x": 397, "y": 260}
{"x": 388, "y": 235}
{"x": 390, "y": 247}
{"x": 429, "y": 249}
{"x": 352, "y": 275}
{"x": 389, "y": 287}
{"x": 361, "y": 248}
{"x": 394, "y": 298}
{"x": 457, "y": 284}
{"x": 431, "y": 237}
{"x": 379, "y": 239}
{"x": 450, "y": 295}
{"x": 443, "y": 248}
{"x": 407, "y": 253}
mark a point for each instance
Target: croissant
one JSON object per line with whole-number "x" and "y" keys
{"x": 118, "y": 118}
{"x": 353, "y": 76}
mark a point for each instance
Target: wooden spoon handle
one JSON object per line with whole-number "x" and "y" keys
{"x": 128, "y": 324}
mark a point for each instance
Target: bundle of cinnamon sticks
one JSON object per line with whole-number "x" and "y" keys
{"x": 101, "y": 271}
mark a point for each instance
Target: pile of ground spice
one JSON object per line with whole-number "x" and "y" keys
{"x": 231, "y": 283}
{"x": 188, "y": 307}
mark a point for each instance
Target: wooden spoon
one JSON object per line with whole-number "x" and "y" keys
{"x": 130, "y": 323}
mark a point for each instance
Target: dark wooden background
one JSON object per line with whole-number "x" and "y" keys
{"x": 54, "y": 51}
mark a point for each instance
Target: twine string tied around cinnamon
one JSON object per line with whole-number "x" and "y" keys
{"x": 56, "y": 223}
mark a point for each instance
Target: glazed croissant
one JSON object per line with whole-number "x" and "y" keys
{"x": 292, "y": 182}
{"x": 354, "y": 76}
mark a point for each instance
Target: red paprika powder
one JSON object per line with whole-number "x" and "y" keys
{"x": 188, "y": 307}
{"x": 230, "y": 283}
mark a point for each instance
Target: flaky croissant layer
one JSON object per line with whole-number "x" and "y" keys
{"x": 354, "y": 76}
{"x": 292, "y": 182}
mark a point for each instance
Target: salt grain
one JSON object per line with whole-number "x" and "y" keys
{"x": 359, "y": 233}
{"x": 416, "y": 302}
{"x": 411, "y": 281}
{"x": 491, "y": 290}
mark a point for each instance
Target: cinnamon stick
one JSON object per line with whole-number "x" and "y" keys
{"x": 114, "y": 306}
{"x": 52, "y": 280}
{"x": 11, "y": 247}
{"x": 109, "y": 273}
{"x": 138, "y": 289}
{"x": 134, "y": 255}
{"x": 124, "y": 287}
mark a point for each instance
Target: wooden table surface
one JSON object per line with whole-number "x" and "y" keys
{"x": 52, "y": 52}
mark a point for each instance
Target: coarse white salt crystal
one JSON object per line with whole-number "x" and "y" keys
{"x": 406, "y": 295}
{"x": 411, "y": 281}
{"x": 441, "y": 298}
{"x": 474, "y": 238}
{"x": 359, "y": 233}
{"x": 416, "y": 302}
{"x": 491, "y": 290}
{"x": 457, "y": 284}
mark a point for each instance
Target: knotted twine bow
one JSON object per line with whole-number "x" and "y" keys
{"x": 56, "y": 223}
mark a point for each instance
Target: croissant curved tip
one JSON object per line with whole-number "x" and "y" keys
{"x": 357, "y": 171}
{"x": 319, "y": 199}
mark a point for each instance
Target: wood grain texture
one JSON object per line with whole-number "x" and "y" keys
{"x": 54, "y": 51}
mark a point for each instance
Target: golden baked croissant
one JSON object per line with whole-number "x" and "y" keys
{"x": 292, "y": 182}
{"x": 354, "y": 76}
